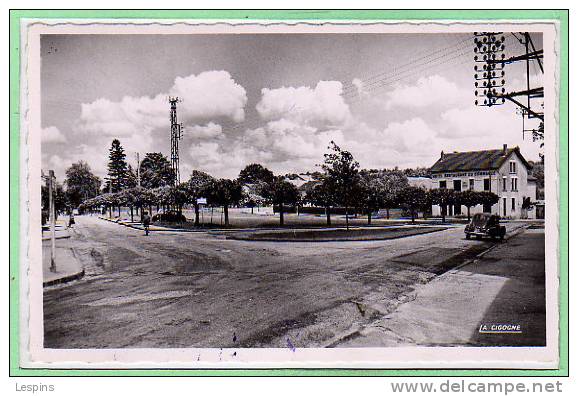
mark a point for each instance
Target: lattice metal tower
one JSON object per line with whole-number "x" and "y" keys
{"x": 176, "y": 129}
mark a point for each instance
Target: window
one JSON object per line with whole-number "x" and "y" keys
{"x": 512, "y": 166}
{"x": 504, "y": 201}
{"x": 443, "y": 184}
{"x": 504, "y": 183}
{"x": 457, "y": 185}
{"x": 471, "y": 184}
{"x": 513, "y": 204}
{"x": 486, "y": 184}
{"x": 514, "y": 184}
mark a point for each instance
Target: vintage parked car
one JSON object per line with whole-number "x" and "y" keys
{"x": 485, "y": 225}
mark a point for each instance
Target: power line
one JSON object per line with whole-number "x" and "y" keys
{"x": 365, "y": 96}
{"x": 416, "y": 68}
{"x": 404, "y": 74}
{"x": 412, "y": 61}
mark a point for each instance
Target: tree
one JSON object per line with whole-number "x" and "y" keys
{"x": 342, "y": 171}
{"x": 372, "y": 190}
{"x": 254, "y": 177}
{"x": 468, "y": 198}
{"x": 81, "y": 183}
{"x": 413, "y": 199}
{"x": 320, "y": 193}
{"x": 196, "y": 188}
{"x": 142, "y": 197}
{"x": 417, "y": 172}
{"x": 394, "y": 182}
{"x": 224, "y": 192}
{"x": 538, "y": 173}
{"x": 60, "y": 200}
{"x": 442, "y": 197}
{"x": 156, "y": 171}
{"x": 488, "y": 198}
{"x": 255, "y": 173}
{"x": 117, "y": 166}
{"x": 280, "y": 192}
{"x": 131, "y": 179}
{"x": 178, "y": 196}
{"x": 252, "y": 196}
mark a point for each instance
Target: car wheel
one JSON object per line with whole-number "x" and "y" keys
{"x": 467, "y": 236}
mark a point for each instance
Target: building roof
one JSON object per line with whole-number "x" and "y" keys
{"x": 475, "y": 160}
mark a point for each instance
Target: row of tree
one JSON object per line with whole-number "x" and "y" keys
{"x": 341, "y": 183}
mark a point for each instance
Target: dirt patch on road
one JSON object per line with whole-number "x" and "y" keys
{"x": 355, "y": 234}
{"x": 437, "y": 260}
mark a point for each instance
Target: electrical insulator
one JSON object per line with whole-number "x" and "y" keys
{"x": 488, "y": 50}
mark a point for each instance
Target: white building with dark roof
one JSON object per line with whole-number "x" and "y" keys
{"x": 505, "y": 172}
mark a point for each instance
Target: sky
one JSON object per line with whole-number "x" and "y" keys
{"x": 275, "y": 99}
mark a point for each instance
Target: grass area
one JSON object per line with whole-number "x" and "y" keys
{"x": 240, "y": 220}
{"x": 354, "y": 234}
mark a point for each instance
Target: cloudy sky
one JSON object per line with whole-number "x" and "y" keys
{"x": 390, "y": 99}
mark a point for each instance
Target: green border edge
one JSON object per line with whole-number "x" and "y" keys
{"x": 14, "y": 138}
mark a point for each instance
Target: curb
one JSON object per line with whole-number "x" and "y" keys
{"x": 325, "y": 240}
{"x": 56, "y": 238}
{"x": 122, "y": 223}
{"x": 235, "y": 230}
{"x": 66, "y": 278}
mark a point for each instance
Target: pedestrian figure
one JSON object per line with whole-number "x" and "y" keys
{"x": 146, "y": 221}
{"x": 71, "y": 221}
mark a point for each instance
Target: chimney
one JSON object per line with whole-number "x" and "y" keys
{"x": 505, "y": 149}
{"x": 442, "y": 155}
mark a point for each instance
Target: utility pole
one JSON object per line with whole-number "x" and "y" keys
{"x": 52, "y": 211}
{"x": 138, "y": 169}
{"x": 490, "y": 62}
{"x": 175, "y": 137}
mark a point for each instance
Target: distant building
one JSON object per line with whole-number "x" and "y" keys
{"x": 504, "y": 172}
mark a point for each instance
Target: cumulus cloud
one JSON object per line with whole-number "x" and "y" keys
{"x": 209, "y": 131}
{"x": 475, "y": 128}
{"x": 428, "y": 92}
{"x": 206, "y": 96}
{"x": 209, "y": 95}
{"x": 357, "y": 83}
{"x": 322, "y": 106}
{"x": 52, "y": 135}
{"x": 138, "y": 121}
{"x": 410, "y": 135}
{"x": 299, "y": 123}
{"x": 282, "y": 145}
{"x": 206, "y": 153}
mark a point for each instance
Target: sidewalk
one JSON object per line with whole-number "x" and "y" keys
{"x": 68, "y": 267}
{"x": 504, "y": 286}
{"x": 60, "y": 231}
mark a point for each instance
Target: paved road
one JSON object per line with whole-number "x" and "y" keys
{"x": 505, "y": 286}
{"x": 196, "y": 289}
